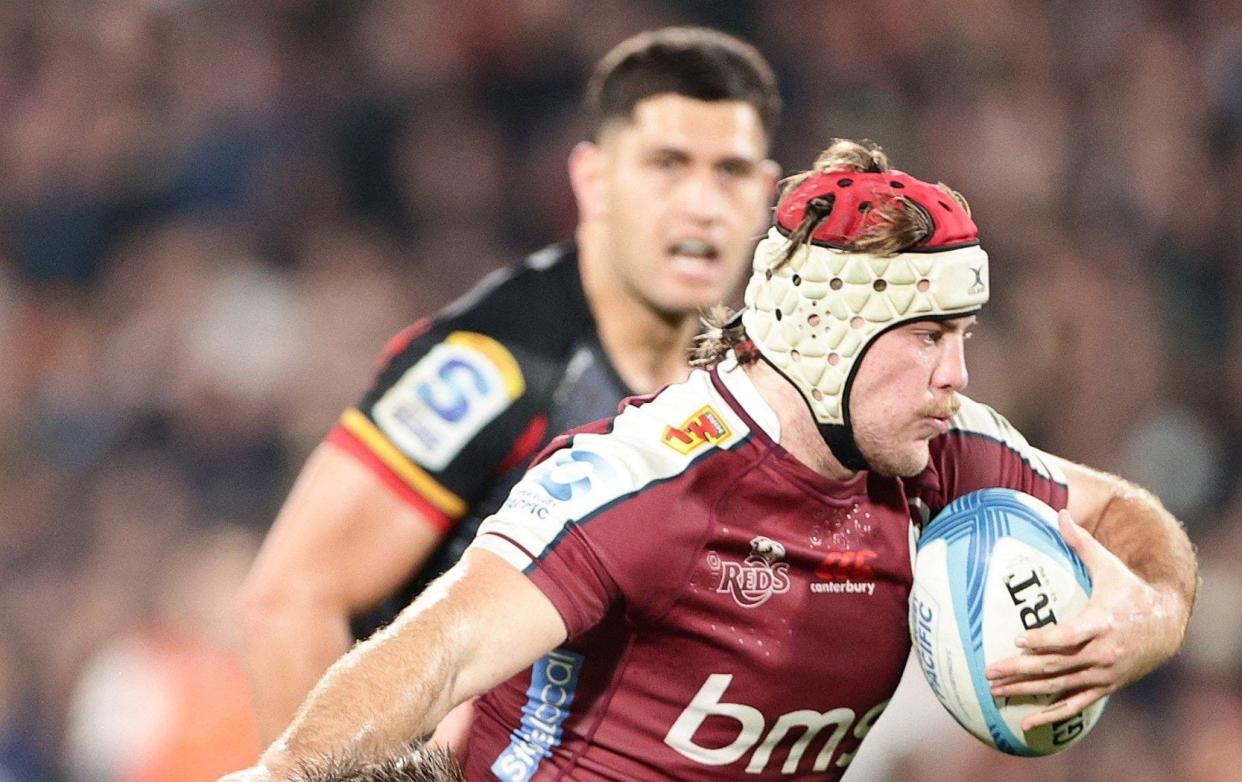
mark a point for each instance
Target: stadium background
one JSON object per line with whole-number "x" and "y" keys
{"x": 214, "y": 212}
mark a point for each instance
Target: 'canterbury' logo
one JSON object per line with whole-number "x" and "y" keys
{"x": 704, "y": 427}
{"x": 846, "y": 572}
{"x": 847, "y": 566}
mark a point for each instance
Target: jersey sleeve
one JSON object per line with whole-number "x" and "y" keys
{"x": 615, "y": 515}
{"x": 450, "y": 409}
{"x": 983, "y": 450}
{"x": 561, "y": 525}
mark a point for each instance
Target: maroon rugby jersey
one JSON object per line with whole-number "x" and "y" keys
{"x": 731, "y": 613}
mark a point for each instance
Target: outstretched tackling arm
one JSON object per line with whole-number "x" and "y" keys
{"x": 342, "y": 543}
{"x": 1144, "y": 577}
{"x": 377, "y": 498}
{"x": 476, "y": 626}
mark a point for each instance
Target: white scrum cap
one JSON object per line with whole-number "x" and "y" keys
{"x": 812, "y": 310}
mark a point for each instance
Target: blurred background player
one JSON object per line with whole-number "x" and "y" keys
{"x": 671, "y": 192}
{"x": 657, "y": 570}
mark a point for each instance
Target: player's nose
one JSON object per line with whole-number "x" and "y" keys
{"x": 951, "y": 373}
{"x": 702, "y": 195}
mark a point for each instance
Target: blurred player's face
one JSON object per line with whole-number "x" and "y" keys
{"x": 905, "y": 391}
{"x": 682, "y": 191}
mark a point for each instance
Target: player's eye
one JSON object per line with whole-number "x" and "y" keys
{"x": 736, "y": 169}
{"x": 668, "y": 162}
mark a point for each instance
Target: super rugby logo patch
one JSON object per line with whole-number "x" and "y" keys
{"x": 753, "y": 581}
{"x": 570, "y": 474}
{"x": 445, "y": 399}
{"x": 705, "y": 427}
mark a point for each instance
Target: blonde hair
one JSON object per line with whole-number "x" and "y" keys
{"x": 722, "y": 331}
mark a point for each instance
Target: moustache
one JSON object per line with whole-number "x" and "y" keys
{"x": 946, "y": 409}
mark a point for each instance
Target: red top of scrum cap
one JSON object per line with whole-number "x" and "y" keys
{"x": 854, "y": 194}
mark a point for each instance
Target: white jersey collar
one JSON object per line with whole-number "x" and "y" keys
{"x": 743, "y": 389}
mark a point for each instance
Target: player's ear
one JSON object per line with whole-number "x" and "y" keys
{"x": 771, "y": 174}
{"x": 585, "y": 177}
{"x": 771, "y": 171}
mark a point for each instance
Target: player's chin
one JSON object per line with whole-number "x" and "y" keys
{"x": 905, "y": 463}
{"x": 688, "y": 300}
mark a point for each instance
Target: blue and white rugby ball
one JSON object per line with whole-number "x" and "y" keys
{"x": 990, "y": 565}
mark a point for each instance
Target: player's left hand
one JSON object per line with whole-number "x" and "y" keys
{"x": 1127, "y": 630}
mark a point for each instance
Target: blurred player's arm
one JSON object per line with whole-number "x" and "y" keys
{"x": 342, "y": 543}
{"x": 476, "y": 626}
{"x": 1144, "y": 576}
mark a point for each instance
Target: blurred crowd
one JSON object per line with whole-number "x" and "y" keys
{"x": 214, "y": 212}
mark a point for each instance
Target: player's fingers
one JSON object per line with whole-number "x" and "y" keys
{"x": 1048, "y": 685}
{"x": 1069, "y": 529}
{"x": 1083, "y": 542}
{"x": 1067, "y": 637}
{"x": 1025, "y": 666}
{"x": 1064, "y": 708}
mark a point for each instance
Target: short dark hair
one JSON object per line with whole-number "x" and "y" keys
{"x": 418, "y": 763}
{"x": 696, "y": 62}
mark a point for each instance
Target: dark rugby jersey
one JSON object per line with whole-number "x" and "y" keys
{"x": 731, "y": 613}
{"x": 465, "y": 399}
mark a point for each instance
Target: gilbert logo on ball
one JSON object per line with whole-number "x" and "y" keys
{"x": 989, "y": 566}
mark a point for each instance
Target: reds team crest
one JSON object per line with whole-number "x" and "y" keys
{"x": 753, "y": 581}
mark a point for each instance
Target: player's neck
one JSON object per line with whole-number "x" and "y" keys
{"x": 646, "y": 347}
{"x": 799, "y": 435}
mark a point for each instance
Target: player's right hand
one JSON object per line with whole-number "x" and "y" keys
{"x": 1126, "y": 631}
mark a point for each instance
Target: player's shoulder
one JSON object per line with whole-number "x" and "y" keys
{"x": 618, "y": 468}
{"x": 539, "y": 301}
{"x": 978, "y": 431}
{"x": 520, "y": 319}
{"x": 516, "y": 325}
{"x": 682, "y": 422}
{"x": 471, "y": 378}
{"x": 977, "y": 419}
{"x": 651, "y": 440}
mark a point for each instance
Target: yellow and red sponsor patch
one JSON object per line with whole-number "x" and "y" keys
{"x": 705, "y": 427}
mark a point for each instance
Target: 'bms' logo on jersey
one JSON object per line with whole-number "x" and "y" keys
{"x": 753, "y": 581}
{"x": 791, "y": 734}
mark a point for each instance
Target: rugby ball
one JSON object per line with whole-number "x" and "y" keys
{"x": 990, "y": 565}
